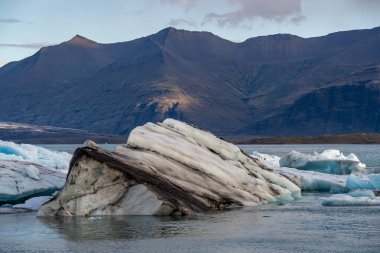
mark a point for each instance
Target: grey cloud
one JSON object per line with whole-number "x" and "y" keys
{"x": 182, "y": 21}
{"x": 187, "y": 4}
{"x": 274, "y": 10}
{"x": 28, "y": 45}
{"x": 10, "y": 20}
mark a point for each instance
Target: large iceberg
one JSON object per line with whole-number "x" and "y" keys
{"x": 169, "y": 168}
{"x": 34, "y": 154}
{"x": 330, "y": 161}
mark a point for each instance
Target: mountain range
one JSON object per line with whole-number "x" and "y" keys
{"x": 269, "y": 85}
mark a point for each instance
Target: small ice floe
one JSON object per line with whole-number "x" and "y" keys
{"x": 33, "y": 204}
{"x": 330, "y": 161}
{"x": 353, "y": 199}
{"x": 11, "y": 210}
{"x": 34, "y": 154}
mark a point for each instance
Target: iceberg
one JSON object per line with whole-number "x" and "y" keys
{"x": 348, "y": 200}
{"x": 169, "y": 168}
{"x": 316, "y": 181}
{"x": 308, "y": 180}
{"x": 329, "y": 161}
{"x": 20, "y": 180}
{"x": 34, "y": 154}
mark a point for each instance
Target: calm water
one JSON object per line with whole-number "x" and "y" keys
{"x": 368, "y": 154}
{"x": 301, "y": 226}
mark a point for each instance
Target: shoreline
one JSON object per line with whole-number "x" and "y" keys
{"x": 358, "y": 138}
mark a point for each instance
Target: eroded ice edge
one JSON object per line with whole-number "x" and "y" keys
{"x": 27, "y": 171}
{"x": 330, "y": 171}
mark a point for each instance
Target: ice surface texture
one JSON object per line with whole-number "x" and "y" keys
{"x": 34, "y": 154}
{"x": 370, "y": 182}
{"x": 348, "y": 200}
{"x": 329, "y": 161}
{"x": 20, "y": 180}
{"x": 166, "y": 169}
{"x": 359, "y": 189}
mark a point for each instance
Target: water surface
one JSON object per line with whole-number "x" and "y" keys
{"x": 301, "y": 226}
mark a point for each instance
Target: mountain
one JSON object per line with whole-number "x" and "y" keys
{"x": 269, "y": 85}
{"x": 350, "y": 105}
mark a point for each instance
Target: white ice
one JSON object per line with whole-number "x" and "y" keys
{"x": 34, "y": 154}
{"x": 348, "y": 200}
{"x": 269, "y": 160}
{"x": 317, "y": 181}
{"x": 19, "y": 179}
{"x": 229, "y": 171}
{"x": 308, "y": 180}
{"x": 33, "y": 204}
{"x": 330, "y": 161}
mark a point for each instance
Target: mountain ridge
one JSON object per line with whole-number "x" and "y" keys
{"x": 226, "y": 87}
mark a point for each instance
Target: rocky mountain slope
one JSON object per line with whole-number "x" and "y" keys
{"x": 269, "y": 85}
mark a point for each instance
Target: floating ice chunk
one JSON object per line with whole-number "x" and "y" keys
{"x": 316, "y": 181}
{"x": 34, "y": 154}
{"x": 362, "y": 193}
{"x": 347, "y": 200}
{"x": 33, "y": 204}
{"x": 329, "y": 161}
{"x": 10, "y": 210}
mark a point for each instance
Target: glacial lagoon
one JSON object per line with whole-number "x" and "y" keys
{"x": 303, "y": 226}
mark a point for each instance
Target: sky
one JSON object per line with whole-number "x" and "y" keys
{"x": 28, "y": 25}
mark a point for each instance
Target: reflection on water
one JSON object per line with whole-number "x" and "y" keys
{"x": 119, "y": 227}
{"x": 301, "y": 226}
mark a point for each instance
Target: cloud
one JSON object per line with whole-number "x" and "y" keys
{"x": 182, "y": 21}
{"x": 28, "y": 45}
{"x": 10, "y": 20}
{"x": 186, "y": 4}
{"x": 2, "y": 63}
{"x": 249, "y": 10}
